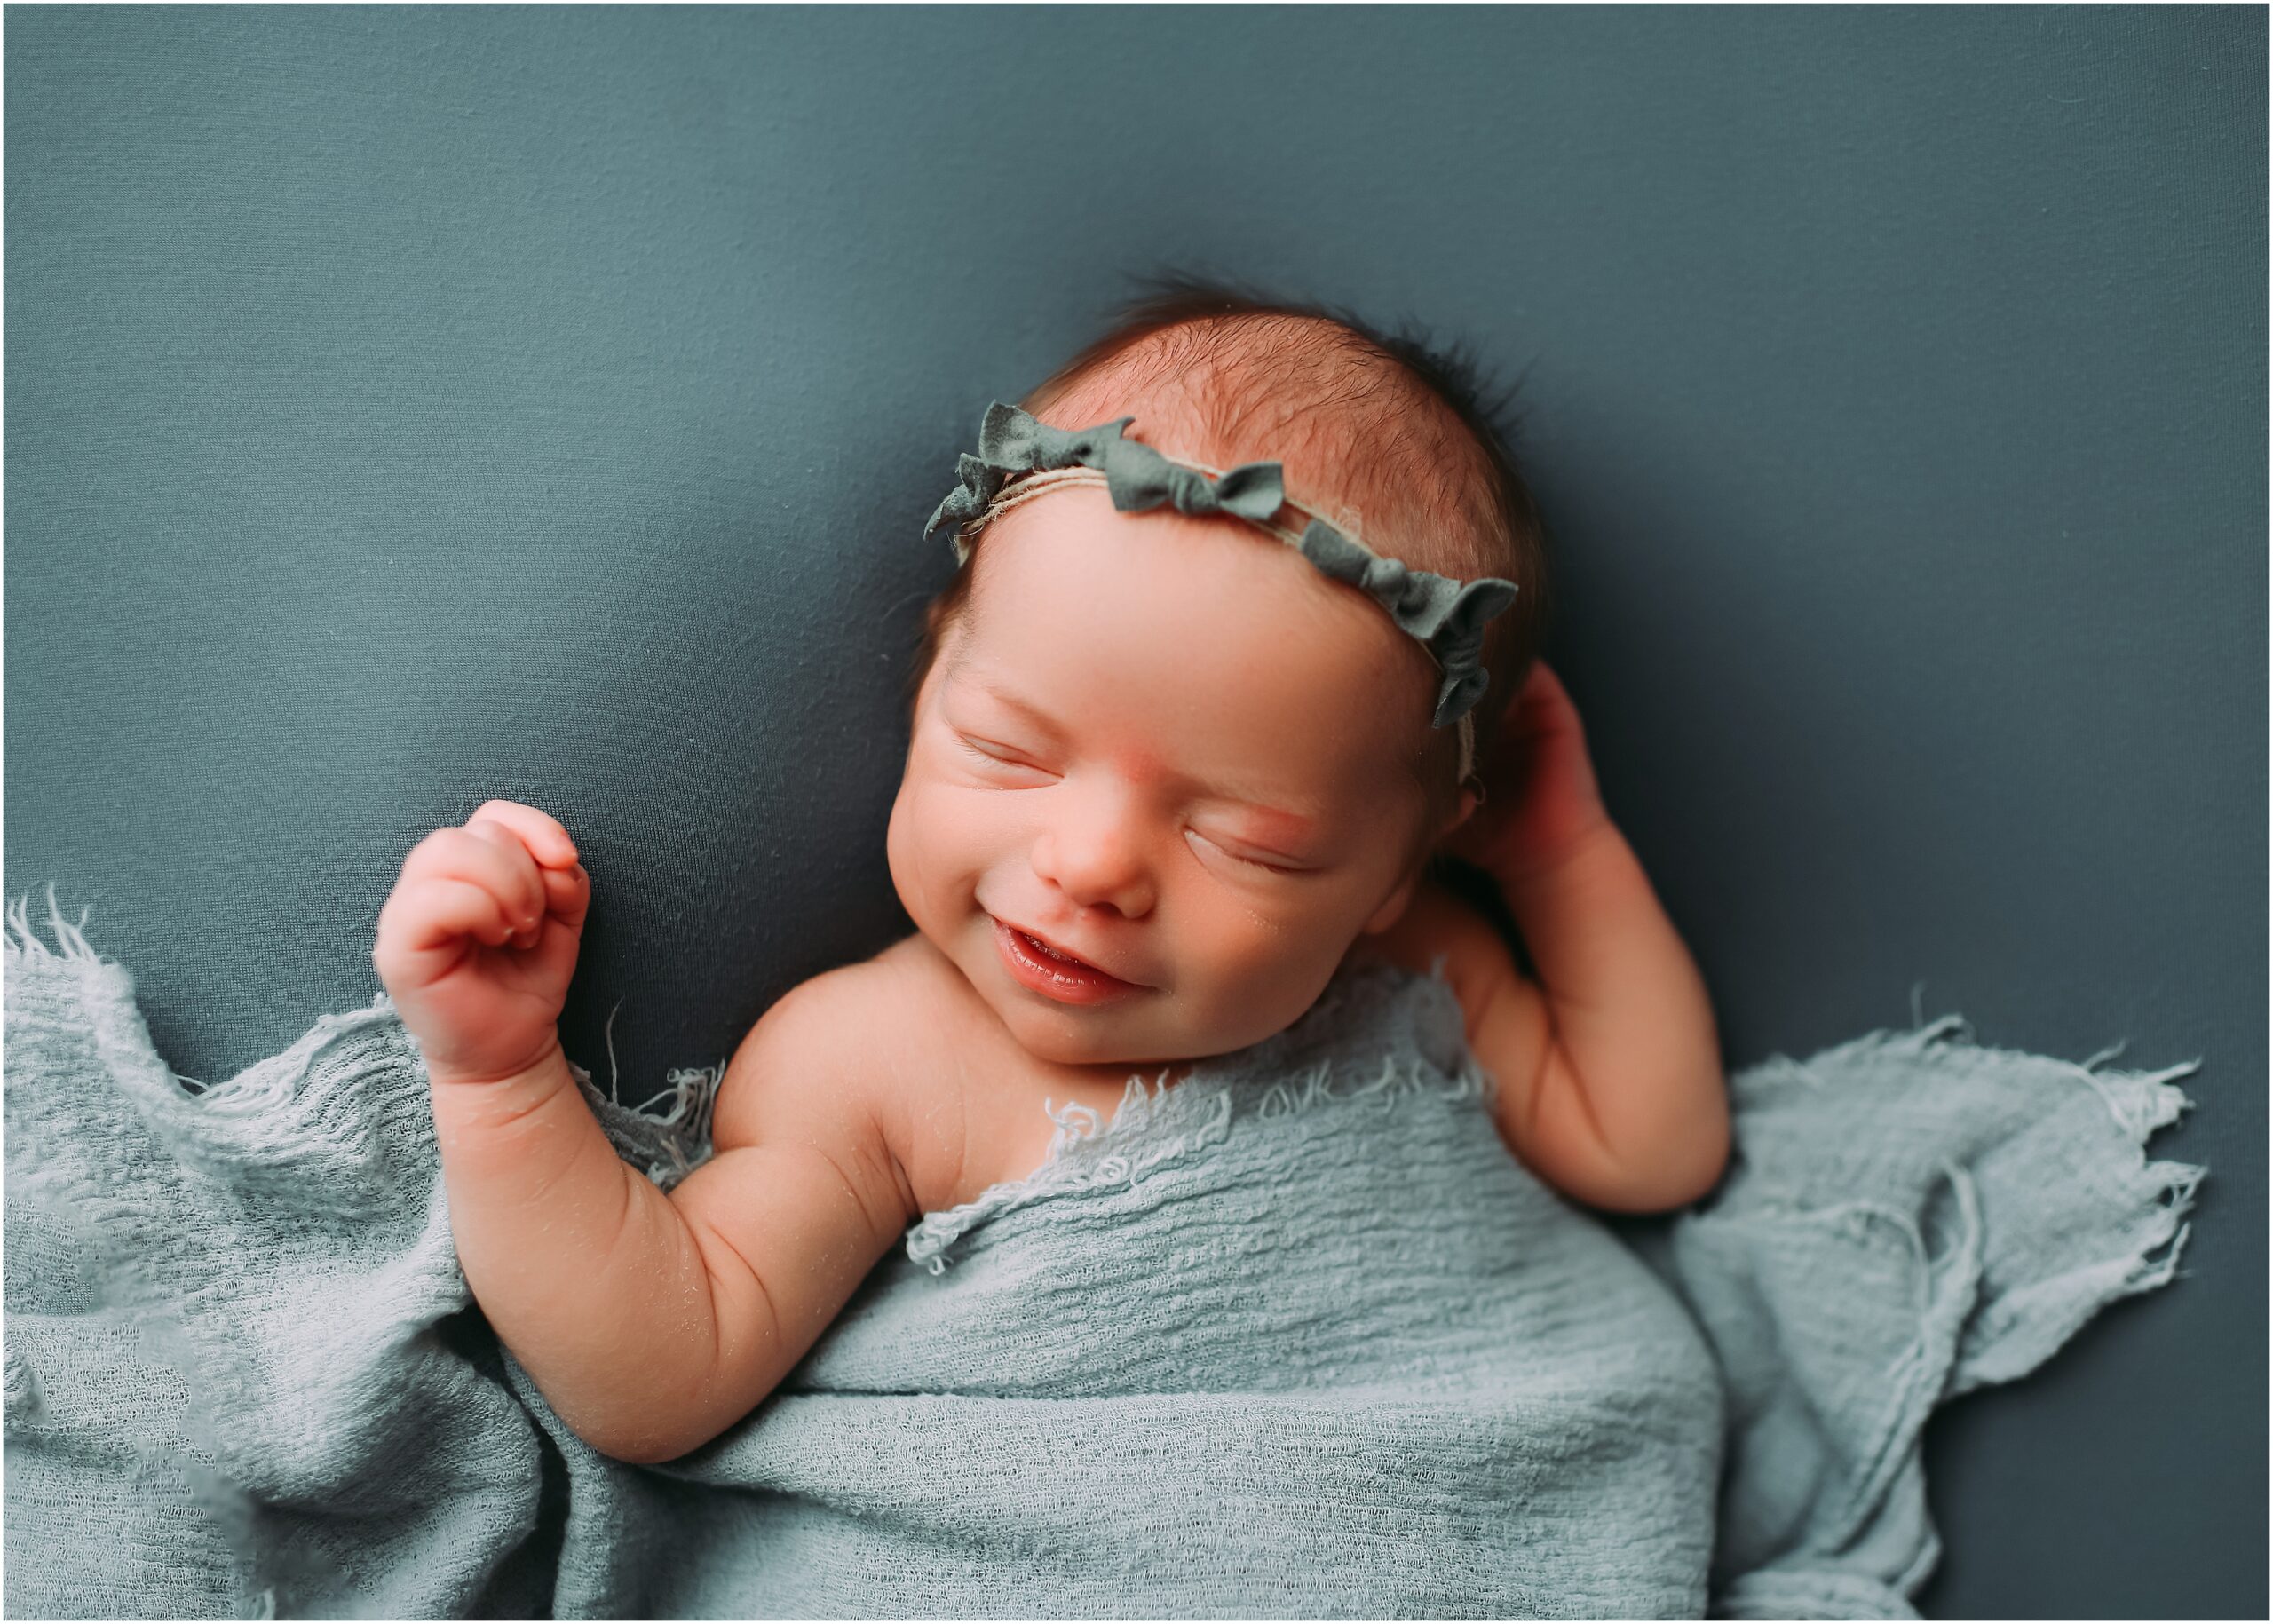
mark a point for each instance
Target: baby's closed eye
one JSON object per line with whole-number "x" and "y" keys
{"x": 1252, "y": 862}
{"x": 994, "y": 754}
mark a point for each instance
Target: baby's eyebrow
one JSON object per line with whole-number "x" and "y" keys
{"x": 1281, "y": 824}
{"x": 1032, "y": 713}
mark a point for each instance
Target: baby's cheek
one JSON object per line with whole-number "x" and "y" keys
{"x": 908, "y": 852}
{"x": 938, "y": 846}
{"x": 1259, "y": 971}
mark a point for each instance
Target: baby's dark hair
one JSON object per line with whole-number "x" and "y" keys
{"x": 1391, "y": 434}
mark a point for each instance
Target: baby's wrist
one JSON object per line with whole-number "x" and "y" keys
{"x": 494, "y": 1096}
{"x": 1538, "y": 863}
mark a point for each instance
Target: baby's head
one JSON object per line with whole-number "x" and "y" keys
{"x": 1170, "y": 745}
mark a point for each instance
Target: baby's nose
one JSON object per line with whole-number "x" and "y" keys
{"x": 1097, "y": 862}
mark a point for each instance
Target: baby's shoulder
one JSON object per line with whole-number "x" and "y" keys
{"x": 852, "y": 1021}
{"x": 887, "y": 1040}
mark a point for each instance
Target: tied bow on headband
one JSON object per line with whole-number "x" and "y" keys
{"x": 1013, "y": 441}
{"x": 1446, "y": 616}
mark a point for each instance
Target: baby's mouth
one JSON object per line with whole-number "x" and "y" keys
{"x": 1058, "y": 956}
{"x": 1055, "y": 974}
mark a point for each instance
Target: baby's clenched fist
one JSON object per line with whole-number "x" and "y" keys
{"x": 478, "y": 941}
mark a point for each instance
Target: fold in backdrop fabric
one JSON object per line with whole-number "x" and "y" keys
{"x": 1295, "y": 1337}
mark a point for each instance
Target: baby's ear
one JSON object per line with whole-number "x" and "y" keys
{"x": 1393, "y": 909}
{"x": 1469, "y": 800}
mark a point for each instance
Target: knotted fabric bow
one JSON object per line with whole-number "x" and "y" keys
{"x": 1446, "y": 616}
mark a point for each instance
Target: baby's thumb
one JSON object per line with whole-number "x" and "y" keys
{"x": 568, "y": 895}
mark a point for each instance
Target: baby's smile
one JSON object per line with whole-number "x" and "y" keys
{"x": 1054, "y": 974}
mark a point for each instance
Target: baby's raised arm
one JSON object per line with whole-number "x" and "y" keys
{"x": 1611, "y": 1085}
{"x": 651, "y": 1323}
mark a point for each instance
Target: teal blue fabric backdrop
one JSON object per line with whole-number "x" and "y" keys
{"x": 409, "y": 406}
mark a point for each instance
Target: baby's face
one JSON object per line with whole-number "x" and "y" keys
{"x": 1171, "y": 748}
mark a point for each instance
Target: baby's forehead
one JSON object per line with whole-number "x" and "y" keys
{"x": 1137, "y": 584}
{"x": 1149, "y": 646}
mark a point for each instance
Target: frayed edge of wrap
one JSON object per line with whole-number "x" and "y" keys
{"x": 2139, "y": 1104}
{"x": 666, "y": 1136}
{"x": 1163, "y": 1123}
{"x": 1087, "y": 1153}
{"x": 272, "y": 1116}
{"x": 1964, "y": 1342}
{"x": 71, "y": 942}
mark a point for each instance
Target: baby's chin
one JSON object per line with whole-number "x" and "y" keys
{"x": 1091, "y": 1035}
{"x": 1140, "y": 1028}
{"x": 1151, "y": 1028}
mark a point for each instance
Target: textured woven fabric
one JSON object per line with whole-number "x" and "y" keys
{"x": 1297, "y": 1336}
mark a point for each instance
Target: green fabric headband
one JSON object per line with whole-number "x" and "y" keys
{"x": 1446, "y": 616}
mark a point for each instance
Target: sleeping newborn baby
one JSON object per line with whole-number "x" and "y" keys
{"x": 1242, "y": 635}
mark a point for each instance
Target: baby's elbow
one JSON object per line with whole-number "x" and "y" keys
{"x": 1684, "y": 1171}
{"x": 638, "y": 1451}
{"x": 1695, "y": 1171}
{"x": 1711, "y": 1161}
{"x": 636, "y": 1441}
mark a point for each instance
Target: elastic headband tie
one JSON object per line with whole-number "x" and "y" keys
{"x": 1446, "y": 616}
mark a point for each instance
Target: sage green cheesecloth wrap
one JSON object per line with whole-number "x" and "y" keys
{"x": 1295, "y": 1337}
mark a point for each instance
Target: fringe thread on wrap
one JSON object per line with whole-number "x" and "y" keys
{"x": 1164, "y": 1124}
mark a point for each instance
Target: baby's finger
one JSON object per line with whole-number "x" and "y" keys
{"x": 547, "y": 841}
{"x": 487, "y": 855}
{"x": 526, "y": 901}
{"x": 435, "y": 915}
{"x": 1543, "y": 705}
{"x": 568, "y": 895}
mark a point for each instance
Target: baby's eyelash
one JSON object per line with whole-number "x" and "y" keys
{"x": 1268, "y": 867}
{"x": 1251, "y": 861}
{"x": 989, "y": 756}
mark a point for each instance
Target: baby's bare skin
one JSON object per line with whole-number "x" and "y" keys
{"x": 1209, "y": 797}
